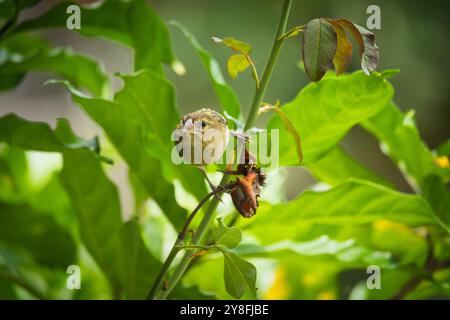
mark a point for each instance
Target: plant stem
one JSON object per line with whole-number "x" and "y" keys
{"x": 251, "y": 117}
{"x": 178, "y": 244}
{"x": 259, "y": 93}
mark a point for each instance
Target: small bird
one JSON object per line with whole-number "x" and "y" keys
{"x": 206, "y": 128}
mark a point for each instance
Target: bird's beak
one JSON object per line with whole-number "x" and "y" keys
{"x": 189, "y": 125}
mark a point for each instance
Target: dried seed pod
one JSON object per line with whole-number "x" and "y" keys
{"x": 247, "y": 190}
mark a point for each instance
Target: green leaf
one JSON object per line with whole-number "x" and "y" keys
{"x": 238, "y": 275}
{"x": 14, "y": 178}
{"x": 24, "y": 53}
{"x": 338, "y": 165}
{"x": 182, "y": 292}
{"x": 400, "y": 140}
{"x": 234, "y": 44}
{"x": 115, "y": 246}
{"x": 438, "y": 197}
{"x": 139, "y": 122}
{"x": 289, "y": 127}
{"x": 226, "y": 236}
{"x": 318, "y": 48}
{"x": 140, "y": 266}
{"x": 23, "y": 227}
{"x": 322, "y": 113}
{"x": 355, "y": 202}
{"x": 345, "y": 252}
{"x": 343, "y": 54}
{"x": 227, "y": 97}
{"x": 236, "y": 64}
{"x": 132, "y": 23}
{"x": 17, "y": 268}
{"x": 444, "y": 148}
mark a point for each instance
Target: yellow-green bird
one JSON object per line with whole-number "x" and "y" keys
{"x": 207, "y": 128}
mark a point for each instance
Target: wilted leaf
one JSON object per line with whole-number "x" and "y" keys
{"x": 233, "y": 44}
{"x": 224, "y": 92}
{"x": 322, "y": 113}
{"x": 237, "y": 63}
{"x": 238, "y": 275}
{"x": 366, "y": 41}
{"x": 226, "y": 236}
{"x": 343, "y": 54}
{"x": 318, "y": 48}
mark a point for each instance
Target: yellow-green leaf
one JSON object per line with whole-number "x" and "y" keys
{"x": 237, "y": 63}
{"x": 234, "y": 44}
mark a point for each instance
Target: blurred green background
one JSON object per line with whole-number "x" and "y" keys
{"x": 413, "y": 38}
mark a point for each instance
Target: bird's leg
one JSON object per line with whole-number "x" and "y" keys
{"x": 205, "y": 175}
{"x": 211, "y": 185}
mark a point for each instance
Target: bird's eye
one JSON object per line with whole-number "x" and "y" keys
{"x": 204, "y": 124}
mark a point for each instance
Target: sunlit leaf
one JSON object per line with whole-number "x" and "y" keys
{"x": 400, "y": 140}
{"x": 322, "y": 113}
{"x": 338, "y": 165}
{"x": 234, "y": 44}
{"x": 318, "y": 48}
{"x": 226, "y": 236}
{"x": 238, "y": 274}
{"x": 351, "y": 203}
{"x": 236, "y": 64}
{"x": 224, "y": 92}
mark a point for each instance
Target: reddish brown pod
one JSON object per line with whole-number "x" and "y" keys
{"x": 247, "y": 190}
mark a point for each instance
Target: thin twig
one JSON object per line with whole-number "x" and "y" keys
{"x": 179, "y": 242}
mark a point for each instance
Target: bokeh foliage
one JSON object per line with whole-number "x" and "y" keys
{"x": 317, "y": 245}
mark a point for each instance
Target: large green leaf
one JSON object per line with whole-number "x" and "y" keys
{"x": 139, "y": 266}
{"x": 323, "y": 112}
{"x": 24, "y": 53}
{"x": 115, "y": 246}
{"x": 346, "y": 252}
{"x": 226, "y": 95}
{"x": 25, "y": 228}
{"x": 401, "y": 141}
{"x": 132, "y": 23}
{"x": 139, "y": 122}
{"x": 226, "y": 236}
{"x": 352, "y": 203}
{"x": 338, "y": 165}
